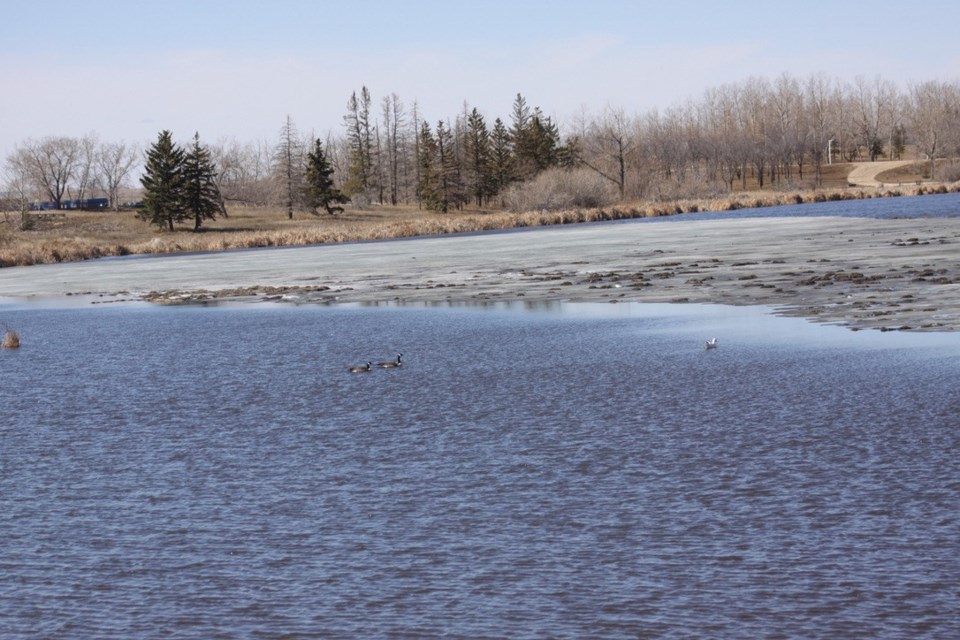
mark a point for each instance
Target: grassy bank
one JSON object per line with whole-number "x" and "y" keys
{"x": 74, "y": 236}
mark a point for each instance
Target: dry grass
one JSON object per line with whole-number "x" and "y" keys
{"x": 11, "y": 340}
{"x": 909, "y": 174}
{"x": 73, "y": 236}
{"x": 946, "y": 170}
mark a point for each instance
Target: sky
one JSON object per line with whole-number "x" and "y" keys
{"x": 125, "y": 70}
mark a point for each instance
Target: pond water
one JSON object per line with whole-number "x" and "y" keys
{"x": 567, "y": 471}
{"x": 945, "y": 205}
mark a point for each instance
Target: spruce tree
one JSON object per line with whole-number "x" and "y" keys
{"x": 201, "y": 193}
{"x": 361, "y": 173}
{"x": 544, "y": 140}
{"x": 428, "y": 185}
{"x": 447, "y": 167}
{"x": 479, "y": 162}
{"x": 163, "y": 186}
{"x": 320, "y": 191}
{"x": 521, "y": 142}
{"x": 502, "y": 156}
{"x": 535, "y": 140}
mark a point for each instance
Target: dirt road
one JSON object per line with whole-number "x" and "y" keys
{"x": 864, "y": 174}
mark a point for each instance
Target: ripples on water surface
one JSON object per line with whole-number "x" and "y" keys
{"x": 216, "y": 472}
{"x": 928, "y": 206}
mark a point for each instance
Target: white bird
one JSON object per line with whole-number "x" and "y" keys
{"x": 710, "y": 344}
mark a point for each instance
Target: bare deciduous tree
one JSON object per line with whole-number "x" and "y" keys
{"x": 52, "y": 164}
{"x": 19, "y": 186}
{"x": 85, "y": 174}
{"x": 934, "y": 118}
{"x": 113, "y": 163}
{"x": 819, "y": 123}
{"x": 607, "y": 147}
{"x": 393, "y": 124}
{"x": 244, "y": 171}
{"x": 288, "y": 166}
{"x": 874, "y": 102}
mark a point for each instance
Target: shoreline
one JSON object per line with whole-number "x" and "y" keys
{"x": 898, "y": 274}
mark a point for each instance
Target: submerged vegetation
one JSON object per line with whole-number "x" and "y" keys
{"x": 11, "y": 340}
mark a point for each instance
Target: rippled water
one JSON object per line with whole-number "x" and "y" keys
{"x": 927, "y": 206}
{"x": 578, "y": 472}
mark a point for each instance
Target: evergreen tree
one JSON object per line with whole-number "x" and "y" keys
{"x": 543, "y": 141}
{"x": 521, "y": 145}
{"x": 535, "y": 141}
{"x": 360, "y": 143}
{"x": 428, "y": 183}
{"x": 459, "y": 191}
{"x": 568, "y": 154}
{"x": 479, "y": 157}
{"x": 898, "y": 142}
{"x": 520, "y": 119}
{"x": 448, "y": 169}
{"x": 320, "y": 191}
{"x": 502, "y": 156}
{"x": 201, "y": 194}
{"x": 163, "y": 185}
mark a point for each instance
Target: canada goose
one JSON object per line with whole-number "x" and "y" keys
{"x": 391, "y": 364}
{"x": 710, "y": 344}
{"x": 362, "y": 369}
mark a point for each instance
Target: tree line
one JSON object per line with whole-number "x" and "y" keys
{"x": 59, "y": 168}
{"x": 779, "y": 132}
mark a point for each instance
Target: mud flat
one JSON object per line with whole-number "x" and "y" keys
{"x": 899, "y": 274}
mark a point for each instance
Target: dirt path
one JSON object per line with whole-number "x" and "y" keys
{"x": 864, "y": 174}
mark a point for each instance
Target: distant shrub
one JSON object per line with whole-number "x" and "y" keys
{"x": 691, "y": 187}
{"x": 949, "y": 171}
{"x": 557, "y": 189}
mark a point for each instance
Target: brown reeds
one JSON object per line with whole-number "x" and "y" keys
{"x": 83, "y": 238}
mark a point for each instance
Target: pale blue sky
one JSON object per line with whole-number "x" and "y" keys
{"x": 126, "y": 70}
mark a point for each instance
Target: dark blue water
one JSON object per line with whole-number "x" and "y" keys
{"x": 578, "y": 472}
{"x": 945, "y": 205}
